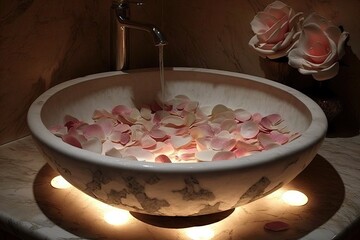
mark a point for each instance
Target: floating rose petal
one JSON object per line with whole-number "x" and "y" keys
{"x": 242, "y": 115}
{"x": 70, "y": 139}
{"x": 108, "y": 145}
{"x": 206, "y": 110}
{"x": 106, "y": 124}
{"x": 246, "y": 146}
{"x": 121, "y": 127}
{"x": 58, "y": 130}
{"x": 200, "y": 131}
{"x": 180, "y": 141}
{"x": 220, "y": 117}
{"x": 157, "y": 133}
{"x": 113, "y": 152}
{"x": 279, "y": 137}
{"x": 121, "y": 110}
{"x": 228, "y": 124}
{"x": 101, "y": 114}
{"x": 94, "y": 130}
{"x": 159, "y": 115}
{"x": 69, "y": 118}
{"x": 120, "y": 137}
{"x": 93, "y": 145}
{"x": 182, "y": 131}
{"x": 222, "y": 144}
{"x": 219, "y": 109}
{"x": 147, "y": 142}
{"x": 187, "y": 154}
{"x": 224, "y": 155}
{"x": 294, "y": 136}
{"x": 173, "y": 121}
{"x": 241, "y": 153}
{"x": 162, "y": 159}
{"x": 206, "y": 155}
{"x": 145, "y": 113}
{"x": 140, "y": 153}
{"x": 189, "y": 118}
{"x": 191, "y": 106}
{"x": 256, "y": 117}
{"x": 266, "y": 141}
{"x": 148, "y": 124}
{"x": 203, "y": 143}
{"x": 163, "y": 148}
{"x": 249, "y": 129}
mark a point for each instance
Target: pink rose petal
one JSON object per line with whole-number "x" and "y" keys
{"x": 224, "y": 155}
{"x": 249, "y": 129}
{"x": 94, "y": 130}
{"x": 162, "y": 159}
{"x": 113, "y": 152}
{"x": 93, "y": 145}
{"x": 140, "y": 153}
{"x": 147, "y": 142}
{"x": 172, "y": 120}
{"x": 157, "y": 134}
{"x": 206, "y": 155}
{"x": 69, "y": 139}
{"x": 180, "y": 141}
{"x": 242, "y": 115}
{"x": 222, "y": 144}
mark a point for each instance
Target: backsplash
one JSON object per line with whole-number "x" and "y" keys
{"x": 43, "y": 43}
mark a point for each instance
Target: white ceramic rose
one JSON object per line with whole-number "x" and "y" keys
{"x": 276, "y": 30}
{"x": 319, "y": 48}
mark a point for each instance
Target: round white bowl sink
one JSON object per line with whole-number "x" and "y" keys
{"x": 177, "y": 189}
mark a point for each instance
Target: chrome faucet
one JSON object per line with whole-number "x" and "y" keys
{"x": 119, "y": 36}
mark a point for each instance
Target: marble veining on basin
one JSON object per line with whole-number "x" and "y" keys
{"x": 177, "y": 189}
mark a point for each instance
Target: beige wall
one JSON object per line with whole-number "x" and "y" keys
{"x": 43, "y": 43}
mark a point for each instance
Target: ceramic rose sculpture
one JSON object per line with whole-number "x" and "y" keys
{"x": 276, "y": 29}
{"x": 313, "y": 46}
{"x": 319, "y": 49}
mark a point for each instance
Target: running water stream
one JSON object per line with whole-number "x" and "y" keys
{"x": 161, "y": 68}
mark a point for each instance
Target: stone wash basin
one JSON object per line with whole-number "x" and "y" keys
{"x": 177, "y": 189}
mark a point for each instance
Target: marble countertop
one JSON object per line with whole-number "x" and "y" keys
{"x": 31, "y": 209}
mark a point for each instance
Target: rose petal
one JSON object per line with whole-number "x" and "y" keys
{"x": 242, "y": 115}
{"x": 113, "y": 152}
{"x": 94, "y": 130}
{"x": 228, "y": 124}
{"x": 140, "y": 153}
{"x": 162, "y": 159}
{"x": 121, "y": 127}
{"x": 224, "y": 155}
{"x": 200, "y": 131}
{"x": 93, "y": 145}
{"x": 147, "y": 142}
{"x": 180, "y": 141}
{"x": 249, "y": 129}
{"x": 146, "y": 113}
{"x": 222, "y": 144}
{"x": 69, "y": 139}
{"x": 205, "y": 156}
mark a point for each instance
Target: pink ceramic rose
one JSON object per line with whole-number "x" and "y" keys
{"x": 276, "y": 30}
{"x": 319, "y": 48}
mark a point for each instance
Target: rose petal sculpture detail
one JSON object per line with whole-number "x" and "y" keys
{"x": 319, "y": 48}
{"x": 276, "y": 29}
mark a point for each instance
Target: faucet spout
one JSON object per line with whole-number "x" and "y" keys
{"x": 119, "y": 38}
{"x": 155, "y": 32}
